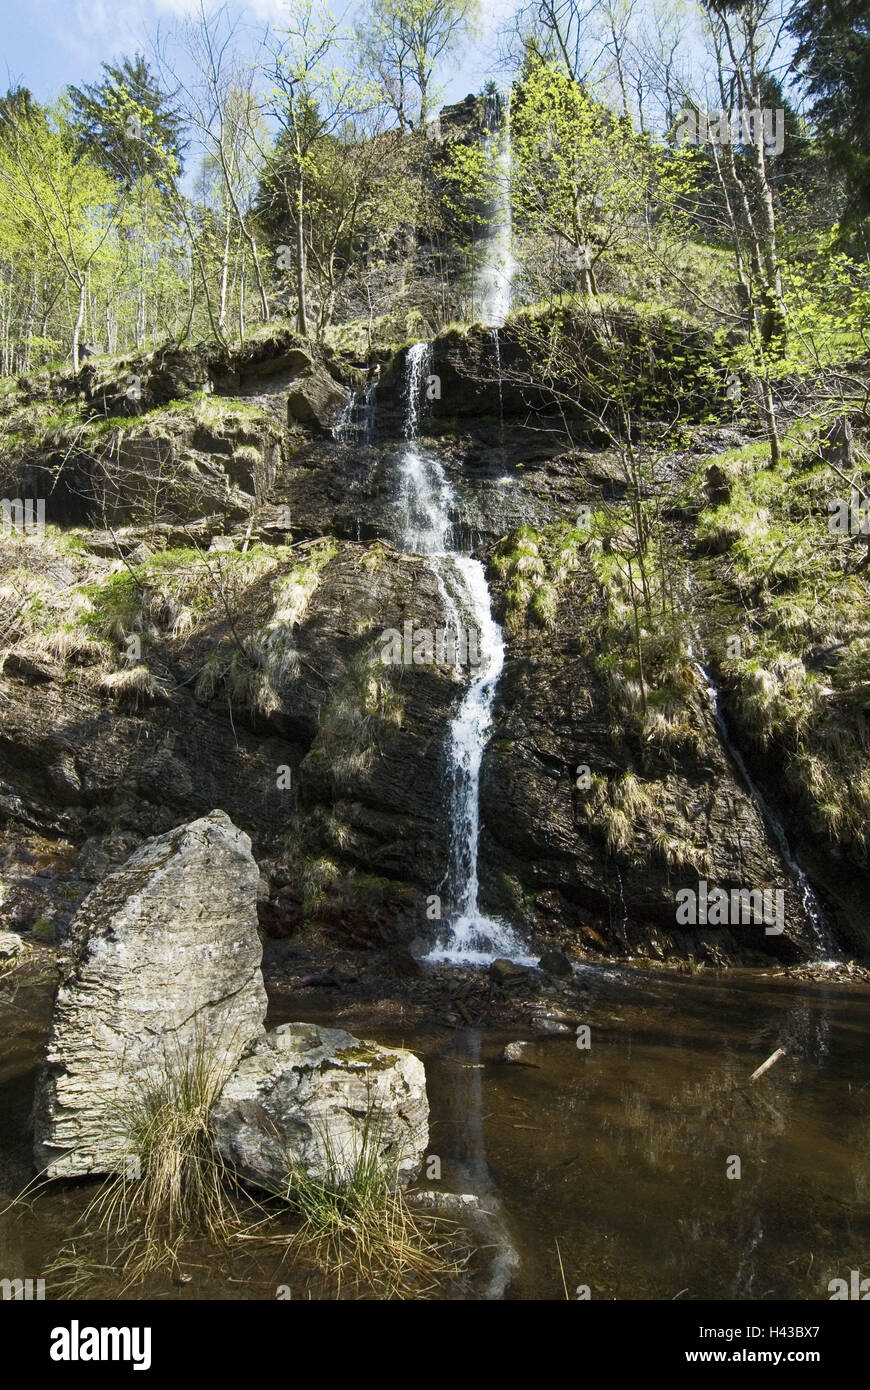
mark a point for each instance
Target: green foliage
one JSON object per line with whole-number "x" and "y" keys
{"x": 799, "y": 687}
{"x": 127, "y": 124}
{"x": 833, "y": 56}
{"x": 534, "y": 565}
{"x": 581, "y": 175}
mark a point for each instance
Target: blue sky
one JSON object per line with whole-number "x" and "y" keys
{"x": 48, "y": 44}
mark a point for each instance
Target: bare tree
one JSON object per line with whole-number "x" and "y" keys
{"x": 215, "y": 93}
{"x": 402, "y": 43}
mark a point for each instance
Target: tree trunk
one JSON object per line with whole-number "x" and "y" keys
{"x": 80, "y": 318}
{"x": 225, "y": 268}
{"x": 301, "y": 306}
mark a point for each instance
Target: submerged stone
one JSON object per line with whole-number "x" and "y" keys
{"x": 520, "y": 1054}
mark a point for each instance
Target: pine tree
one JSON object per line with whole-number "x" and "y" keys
{"x": 127, "y": 124}
{"x": 833, "y": 58}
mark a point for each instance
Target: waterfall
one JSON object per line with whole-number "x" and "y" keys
{"x": 344, "y": 424}
{"x": 497, "y": 345}
{"x": 824, "y": 944}
{"x": 498, "y": 268}
{"x": 425, "y": 505}
{"x": 355, "y": 424}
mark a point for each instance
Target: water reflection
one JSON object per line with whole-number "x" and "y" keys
{"x": 613, "y": 1163}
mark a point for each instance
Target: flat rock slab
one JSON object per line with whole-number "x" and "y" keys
{"x": 313, "y": 1098}
{"x": 164, "y": 962}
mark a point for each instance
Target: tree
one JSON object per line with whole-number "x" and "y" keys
{"x": 581, "y": 174}
{"x": 317, "y": 97}
{"x": 127, "y": 123}
{"x": 403, "y": 41}
{"x": 833, "y": 64}
{"x": 217, "y": 99}
{"x": 745, "y": 37}
{"x": 55, "y": 201}
{"x": 357, "y": 200}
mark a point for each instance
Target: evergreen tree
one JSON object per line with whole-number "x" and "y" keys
{"x": 833, "y": 58}
{"x": 127, "y": 124}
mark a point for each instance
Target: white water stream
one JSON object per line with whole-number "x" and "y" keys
{"x": 825, "y": 951}
{"x": 498, "y": 268}
{"x": 424, "y": 505}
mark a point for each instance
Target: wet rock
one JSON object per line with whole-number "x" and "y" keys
{"x": 63, "y": 778}
{"x": 23, "y": 669}
{"x": 312, "y": 1097}
{"x": 507, "y": 974}
{"x": 519, "y": 1054}
{"x": 555, "y": 962}
{"x": 326, "y": 979}
{"x": 164, "y": 959}
{"x": 451, "y": 1203}
{"x": 10, "y": 945}
{"x": 537, "y": 831}
{"x": 316, "y": 400}
{"x": 164, "y": 778}
{"x": 549, "y": 1027}
{"x": 370, "y": 777}
{"x": 558, "y": 1016}
{"x": 476, "y": 383}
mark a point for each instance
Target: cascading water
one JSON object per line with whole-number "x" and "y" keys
{"x": 498, "y": 268}
{"x": 497, "y": 345}
{"x": 824, "y": 946}
{"x": 823, "y": 941}
{"x": 355, "y": 424}
{"x": 344, "y": 424}
{"x": 424, "y": 505}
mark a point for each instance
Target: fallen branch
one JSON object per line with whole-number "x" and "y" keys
{"x": 772, "y": 1059}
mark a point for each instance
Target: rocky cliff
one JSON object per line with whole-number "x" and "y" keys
{"x": 200, "y": 625}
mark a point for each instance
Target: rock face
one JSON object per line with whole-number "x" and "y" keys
{"x": 69, "y": 763}
{"x": 315, "y": 400}
{"x": 309, "y": 1096}
{"x": 499, "y": 373}
{"x": 165, "y": 956}
{"x": 554, "y": 713}
{"x": 238, "y": 687}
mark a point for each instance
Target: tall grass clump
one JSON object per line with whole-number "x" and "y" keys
{"x": 173, "y": 1201}
{"x": 171, "y": 1184}
{"x": 355, "y": 1222}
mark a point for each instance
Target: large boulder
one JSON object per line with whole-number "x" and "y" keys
{"x": 164, "y": 960}
{"x": 315, "y": 400}
{"x": 316, "y": 1098}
